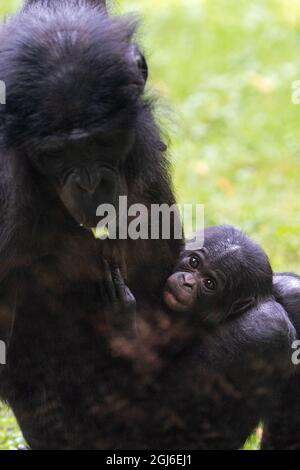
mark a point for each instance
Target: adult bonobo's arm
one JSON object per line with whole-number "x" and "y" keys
{"x": 18, "y": 215}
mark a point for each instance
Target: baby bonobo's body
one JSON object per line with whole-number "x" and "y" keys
{"x": 219, "y": 348}
{"x": 225, "y": 277}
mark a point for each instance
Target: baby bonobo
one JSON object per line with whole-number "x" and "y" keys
{"x": 225, "y": 277}
{"x": 228, "y": 275}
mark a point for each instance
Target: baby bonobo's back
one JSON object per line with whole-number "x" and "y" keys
{"x": 227, "y": 275}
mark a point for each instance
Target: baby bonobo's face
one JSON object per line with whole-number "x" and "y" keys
{"x": 194, "y": 285}
{"x": 226, "y": 277}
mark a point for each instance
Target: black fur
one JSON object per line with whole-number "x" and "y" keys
{"x": 75, "y": 109}
{"x": 282, "y": 423}
{"x": 227, "y": 276}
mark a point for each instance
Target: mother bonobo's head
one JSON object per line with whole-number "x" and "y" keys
{"x": 74, "y": 107}
{"x": 227, "y": 276}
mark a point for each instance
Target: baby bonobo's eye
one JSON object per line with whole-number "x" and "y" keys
{"x": 210, "y": 284}
{"x": 194, "y": 261}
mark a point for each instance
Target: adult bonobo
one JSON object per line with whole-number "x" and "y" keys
{"x": 231, "y": 342}
{"x": 76, "y": 131}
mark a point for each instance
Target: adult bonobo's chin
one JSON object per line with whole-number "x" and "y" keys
{"x": 74, "y": 87}
{"x": 227, "y": 276}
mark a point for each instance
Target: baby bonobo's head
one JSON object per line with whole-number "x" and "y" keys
{"x": 225, "y": 277}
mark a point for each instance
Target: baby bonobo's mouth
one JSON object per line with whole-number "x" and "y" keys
{"x": 179, "y": 293}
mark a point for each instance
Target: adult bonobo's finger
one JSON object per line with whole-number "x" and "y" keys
{"x": 108, "y": 282}
{"x": 123, "y": 292}
{"x": 126, "y": 313}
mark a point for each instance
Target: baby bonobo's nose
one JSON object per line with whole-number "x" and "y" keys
{"x": 188, "y": 281}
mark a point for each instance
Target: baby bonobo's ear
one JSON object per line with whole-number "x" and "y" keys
{"x": 241, "y": 306}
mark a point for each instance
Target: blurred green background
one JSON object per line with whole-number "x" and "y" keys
{"x": 223, "y": 71}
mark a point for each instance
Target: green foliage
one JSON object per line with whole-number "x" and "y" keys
{"x": 226, "y": 68}
{"x": 10, "y": 436}
{"x": 253, "y": 442}
{"x": 8, "y": 5}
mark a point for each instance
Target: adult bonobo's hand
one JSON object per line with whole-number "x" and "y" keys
{"x": 120, "y": 303}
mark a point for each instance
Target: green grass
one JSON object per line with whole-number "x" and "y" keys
{"x": 10, "y": 436}
{"x": 223, "y": 70}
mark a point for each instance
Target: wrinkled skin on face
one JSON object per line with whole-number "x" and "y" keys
{"x": 87, "y": 171}
{"x": 195, "y": 287}
{"x": 225, "y": 277}
{"x": 180, "y": 292}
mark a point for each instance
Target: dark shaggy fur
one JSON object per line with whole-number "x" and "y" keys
{"x": 282, "y": 423}
{"x": 75, "y": 109}
{"x": 226, "y": 277}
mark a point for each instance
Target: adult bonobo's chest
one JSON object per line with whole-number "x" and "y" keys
{"x": 63, "y": 379}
